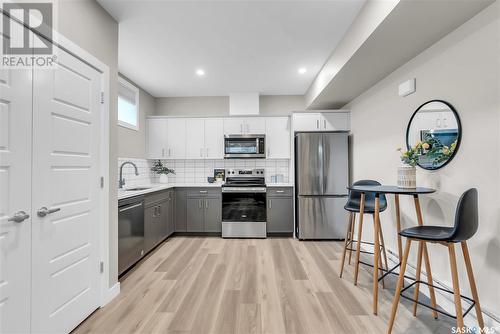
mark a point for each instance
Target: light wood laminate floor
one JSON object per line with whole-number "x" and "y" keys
{"x": 275, "y": 285}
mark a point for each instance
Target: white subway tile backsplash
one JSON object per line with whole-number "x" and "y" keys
{"x": 197, "y": 171}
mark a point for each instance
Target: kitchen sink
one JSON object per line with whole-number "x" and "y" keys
{"x": 137, "y": 188}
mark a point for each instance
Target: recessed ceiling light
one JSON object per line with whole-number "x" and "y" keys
{"x": 200, "y": 72}
{"x": 302, "y": 70}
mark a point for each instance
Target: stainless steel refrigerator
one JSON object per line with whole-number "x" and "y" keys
{"x": 321, "y": 179}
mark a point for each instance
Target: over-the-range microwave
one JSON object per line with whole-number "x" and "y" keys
{"x": 244, "y": 146}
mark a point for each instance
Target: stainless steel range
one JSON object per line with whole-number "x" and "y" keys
{"x": 244, "y": 204}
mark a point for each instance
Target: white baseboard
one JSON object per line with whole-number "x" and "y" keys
{"x": 110, "y": 294}
{"x": 444, "y": 300}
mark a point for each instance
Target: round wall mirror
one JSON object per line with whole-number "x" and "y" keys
{"x": 436, "y": 126}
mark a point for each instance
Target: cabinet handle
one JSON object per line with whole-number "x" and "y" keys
{"x": 203, "y": 191}
{"x": 206, "y": 204}
{"x": 317, "y": 124}
{"x": 155, "y": 212}
{"x": 241, "y": 127}
{"x": 159, "y": 210}
{"x": 162, "y": 152}
{"x": 169, "y": 151}
{"x": 270, "y": 204}
{"x": 280, "y": 191}
{"x": 199, "y": 204}
{"x": 324, "y": 124}
{"x": 201, "y": 152}
{"x": 206, "y": 151}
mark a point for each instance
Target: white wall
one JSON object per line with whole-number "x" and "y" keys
{"x": 203, "y": 106}
{"x": 88, "y": 25}
{"x": 132, "y": 143}
{"x": 463, "y": 69}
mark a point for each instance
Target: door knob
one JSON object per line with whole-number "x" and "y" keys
{"x": 44, "y": 211}
{"x": 19, "y": 217}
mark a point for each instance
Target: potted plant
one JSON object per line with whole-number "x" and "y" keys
{"x": 407, "y": 173}
{"x": 162, "y": 170}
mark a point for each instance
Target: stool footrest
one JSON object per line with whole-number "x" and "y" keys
{"x": 470, "y": 300}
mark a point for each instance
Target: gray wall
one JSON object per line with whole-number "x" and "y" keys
{"x": 201, "y": 106}
{"x": 463, "y": 69}
{"x": 132, "y": 143}
{"x": 88, "y": 25}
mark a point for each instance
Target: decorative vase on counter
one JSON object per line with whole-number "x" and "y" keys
{"x": 407, "y": 176}
{"x": 163, "y": 178}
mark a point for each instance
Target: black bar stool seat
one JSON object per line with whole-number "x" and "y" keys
{"x": 430, "y": 233}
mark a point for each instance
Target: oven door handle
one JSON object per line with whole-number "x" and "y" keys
{"x": 243, "y": 190}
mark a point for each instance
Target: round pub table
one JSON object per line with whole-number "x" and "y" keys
{"x": 396, "y": 191}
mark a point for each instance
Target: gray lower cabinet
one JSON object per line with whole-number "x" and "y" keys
{"x": 213, "y": 215}
{"x": 198, "y": 210}
{"x": 158, "y": 218}
{"x": 180, "y": 210}
{"x": 195, "y": 214}
{"x": 280, "y": 211}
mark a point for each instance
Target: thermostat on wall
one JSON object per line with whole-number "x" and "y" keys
{"x": 407, "y": 88}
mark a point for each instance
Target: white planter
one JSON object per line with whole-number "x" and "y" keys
{"x": 407, "y": 176}
{"x": 163, "y": 178}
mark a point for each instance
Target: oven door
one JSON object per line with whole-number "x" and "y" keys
{"x": 243, "y": 207}
{"x": 239, "y": 146}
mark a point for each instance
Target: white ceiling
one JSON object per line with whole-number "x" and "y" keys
{"x": 243, "y": 46}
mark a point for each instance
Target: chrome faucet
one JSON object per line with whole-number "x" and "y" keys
{"x": 121, "y": 182}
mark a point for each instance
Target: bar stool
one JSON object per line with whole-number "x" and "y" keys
{"x": 353, "y": 206}
{"x": 465, "y": 226}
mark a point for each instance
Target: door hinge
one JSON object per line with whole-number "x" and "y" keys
{"x": 102, "y": 181}
{"x": 101, "y": 267}
{"x": 102, "y": 97}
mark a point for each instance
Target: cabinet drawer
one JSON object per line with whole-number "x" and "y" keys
{"x": 279, "y": 191}
{"x": 154, "y": 198}
{"x": 211, "y": 192}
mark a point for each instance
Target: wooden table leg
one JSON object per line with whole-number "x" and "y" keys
{"x": 376, "y": 253}
{"x": 398, "y": 226}
{"x": 472, "y": 282}
{"x": 426, "y": 257}
{"x": 358, "y": 243}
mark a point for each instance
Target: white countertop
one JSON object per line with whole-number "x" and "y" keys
{"x": 161, "y": 186}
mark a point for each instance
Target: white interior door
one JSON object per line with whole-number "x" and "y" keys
{"x": 66, "y": 149}
{"x": 195, "y": 138}
{"x": 15, "y": 190}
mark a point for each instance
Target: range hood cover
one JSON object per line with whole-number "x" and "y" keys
{"x": 243, "y": 104}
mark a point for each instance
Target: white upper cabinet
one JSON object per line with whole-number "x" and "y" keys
{"x": 278, "y": 138}
{"x": 233, "y": 126}
{"x": 176, "y": 138}
{"x": 214, "y": 138}
{"x": 306, "y": 122}
{"x": 322, "y": 121}
{"x": 195, "y": 138}
{"x": 335, "y": 121}
{"x": 244, "y": 125}
{"x": 157, "y": 138}
{"x": 255, "y": 125}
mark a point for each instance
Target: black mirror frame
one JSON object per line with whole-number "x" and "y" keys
{"x": 459, "y": 139}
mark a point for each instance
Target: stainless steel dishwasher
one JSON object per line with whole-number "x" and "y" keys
{"x": 130, "y": 232}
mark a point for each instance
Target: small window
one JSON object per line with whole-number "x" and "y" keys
{"x": 128, "y": 105}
